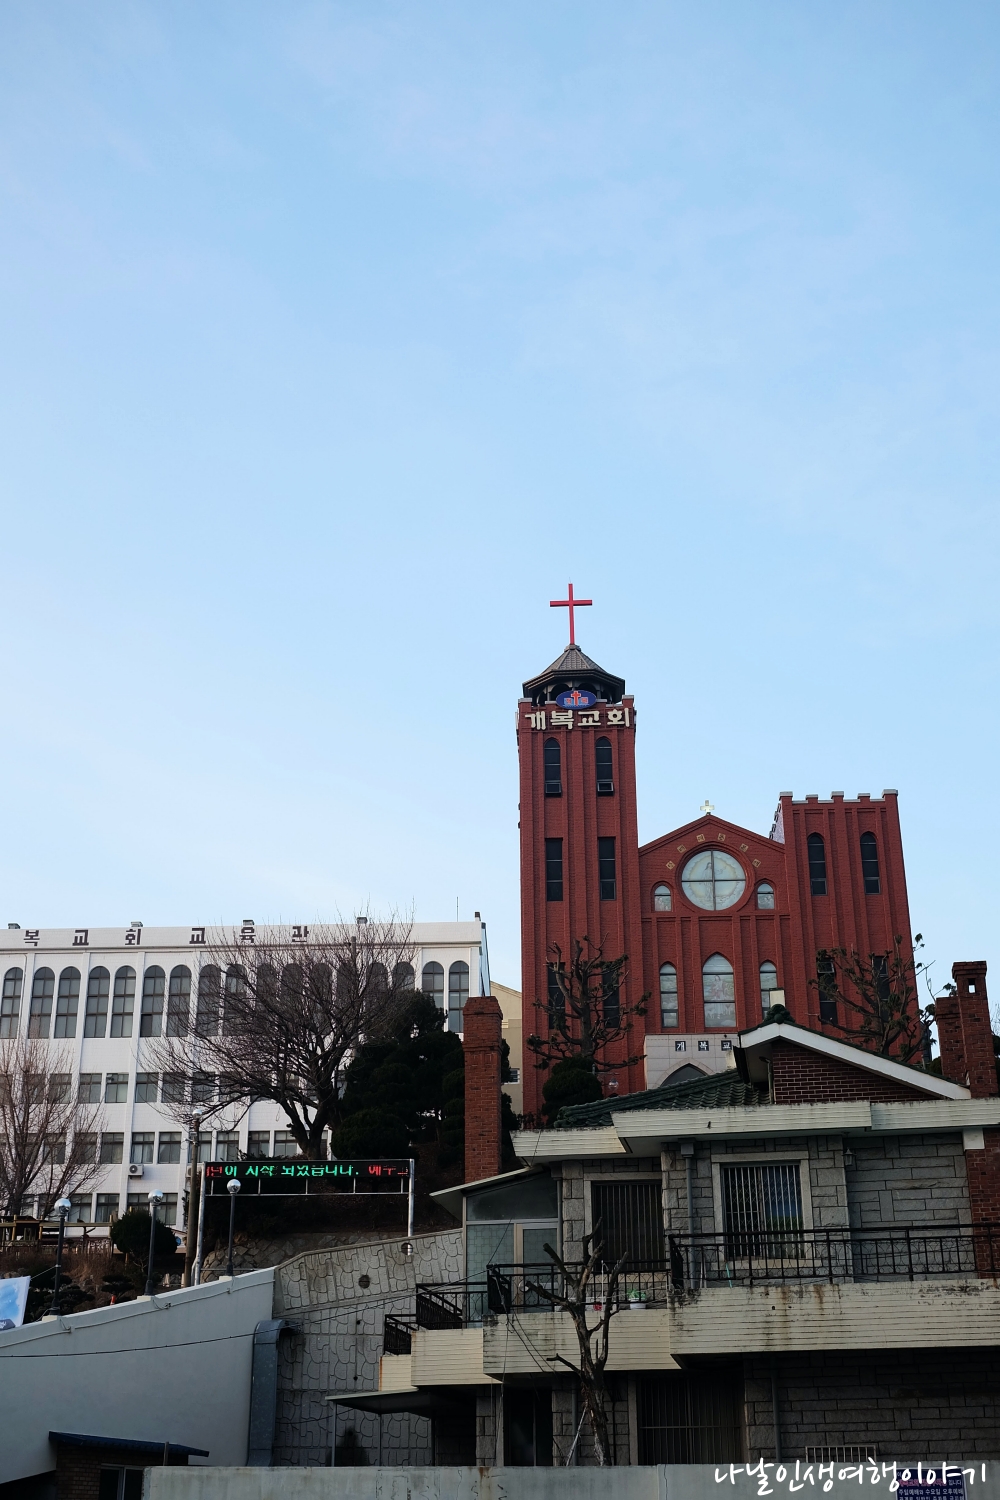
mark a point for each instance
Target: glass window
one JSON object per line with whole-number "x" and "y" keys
{"x": 611, "y": 1001}
{"x": 403, "y": 977}
{"x": 552, "y": 760}
{"x": 553, "y": 870}
{"x": 458, "y": 993}
{"x": 179, "y": 1001}
{"x": 606, "y": 869}
{"x": 662, "y": 898}
{"x": 668, "y": 997}
{"x": 95, "y": 1022}
{"x": 761, "y": 1208}
{"x": 174, "y": 1090}
{"x": 826, "y": 973}
{"x": 168, "y": 1149}
{"x": 432, "y": 983}
{"x": 167, "y": 1211}
{"x": 59, "y": 1087}
{"x": 768, "y": 982}
{"x": 816, "y": 850}
{"x": 142, "y": 1148}
{"x": 765, "y": 896}
{"x": 107, "y": 1204}
{"x": 54, "y": 1150}
{"x": 10, "y": 1003}
{"x": 227, "y": 1145}
{"x": 67, "y": 1003}
{"x": 80, "y": 1212}
{"x": 116, "y": 1088}
{"x": 123, "y": 1002}
{"x": 234, "y": 1008}
{"x": 204, "y": 1147}
{"x": 85, "y": 1147}
{"x": 284, "y": 1144}
{"x": 90, "y": 1088}
{"x": 112, "y": 1149}
{"x": 209, "y": 994}
{"x": 136, "y": 1203}
{"x": 145, "y": 1087}
{"x": 869, "y": 865}
{"x": 154, "y": 984}
{"x": 531, "y": 1198}
{"x": 719, "y": 991}
{"x": 557, "y": 1000}
{"x": 42, "y": 992}
{"x": 258, "y": 1144}
{"x": 605, "y": 771}
{"x": 202, "y": 1088}
{"x": 713, "y": 880}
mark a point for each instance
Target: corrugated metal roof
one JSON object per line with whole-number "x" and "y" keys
{"x": 718, "y": 1091}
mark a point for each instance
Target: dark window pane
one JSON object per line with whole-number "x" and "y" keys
{"x": 168, "y": 1151}
{"x": 98, "y": 993}
{"x": 458, "y": 993}
{"x": 869, "y": 864}
{"x": 631, "y": 1221}
{"x": 10, "y": 1004}
{"x": 123, "y": 1003}
{"x": 605, "y": 772}
{"x": 553, "y": 870}
{"x": 552, "y": 760}
{"x": 179, "y": 1001}
{"x": 827, "y": 975}
{"x": 432, "y": 983}
{"x": 606, "y": 869}
{"x": 689, "y": 1419}
{"x": 557, "y": 1000}
{"x": 817, "y": 863}
{"x": 209, "y": 995}
{"x": 153, "y": 988}
{"x": 67, "y": 1003}
{"x": 146, "y": 1087}
{"x": 42, "y": 992}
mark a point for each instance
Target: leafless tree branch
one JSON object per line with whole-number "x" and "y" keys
{"x": 48, "y": 1139}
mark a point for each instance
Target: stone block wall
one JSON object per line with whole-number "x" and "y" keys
{"x": 909, "y": 1179}
{"x": 576, "y": 1178}
{"x": 823, "y": 1179}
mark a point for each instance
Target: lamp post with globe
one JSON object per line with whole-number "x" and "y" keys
{"x": 153, "y": 1199}
{"x": 63, "y": 1206}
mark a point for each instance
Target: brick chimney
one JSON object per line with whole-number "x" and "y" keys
{"x": 965, "y": 1035}
{"x": 482, "y": 1024}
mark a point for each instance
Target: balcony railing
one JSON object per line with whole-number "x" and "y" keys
{"x": 397, "y": 1335}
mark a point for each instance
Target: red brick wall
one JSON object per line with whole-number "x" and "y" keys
{"x": 983, "y": 1170}
{"x": 482, "y": 1024}
{"x": 804, "y": 1077}
{"x": 965, "y": 1035}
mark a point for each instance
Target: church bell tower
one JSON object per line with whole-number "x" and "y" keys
{"x": 579, "y": 840}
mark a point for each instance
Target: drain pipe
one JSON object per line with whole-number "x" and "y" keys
{"x": 687, "y": 1151}
{"x": 774, "y": 1411}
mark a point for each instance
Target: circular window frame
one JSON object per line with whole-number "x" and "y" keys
{"x": 749, "y": 885}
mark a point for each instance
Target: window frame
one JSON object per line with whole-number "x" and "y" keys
{"x": 95, "y": 1013}
{"x": 766, "y": 888}
{"x": 10, "y": 1003}
{"x": 659, "y": 890}
{"x": 604, "y": 762}
{"x": 675, "y": 1024}
{"x": 871, "y": 866}
{"x": 456, "y": 1013}
{"x": 555, "y": 885}
{"x": 794, "y": 1157}
{"x": 122, "y": 1003}
{"x": 607, "y": 854}
{"x": 168, "y": 1141}
{"x": 40, "y": 1006}
{"x": 815, "y": 840}
{"x": 718, "y": 1025}
{"x": 552, "y": 785}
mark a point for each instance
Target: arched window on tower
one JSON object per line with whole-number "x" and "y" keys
{"x": 432, "y": 983}
{"x": 552, "y": 764}
{"x": 765, "y": 896}
{"x": 458, "y": 993}
{"x": 869, "y": 865}
{"x": 768, "y": 983}
{"x": 817, "y": 863}
{"x": 605, "y": 771}
{"x": 668, "y": 997}
{"x": 719, "y": 991}
{"x": 662, "y": 898}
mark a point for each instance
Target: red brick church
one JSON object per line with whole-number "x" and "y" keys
{"x": 718, "y": 922}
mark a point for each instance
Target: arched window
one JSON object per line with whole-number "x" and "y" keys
{"x": 432, "y": 983}
{"x": 154, "y": 984}
{"x": 123, "y": 1002}
{"x": 234, "y": 1000}
{"x": 817, "y": 863}
{"x": 552, "y": 765}
{"x": 267, "y": 985}
{"x": 10, "y": 1003}
{"x": 458, "y": 993}
{"x": 402, "y": 978}
{"x": 719, "y": 991}
{"x": 605, "y": 771}
{"x": 765, "y": 896}
{"x": 95, "y": 1022}
{"x": 668, "y": 997}
{"x": 662, "y": 898}
{"x": 67, "y": 1003}
{"x": 869, "y": 864}
{"x": 42, "y": 990}
{"x": 768, "y": 982}
{"x": 206, "y": 1019}
{"x": 179, "y": 1001}
{"x": 377, "y": 982}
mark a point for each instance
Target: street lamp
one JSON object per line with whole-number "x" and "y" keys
{"x": 232, "y": 1188}
{"x": 63, "y": 1206}
{"x": 194, "y": 1183}
{"x": 153, "y": 1199}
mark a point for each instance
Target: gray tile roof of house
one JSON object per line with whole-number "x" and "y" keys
{"x": 718, "y": 1091}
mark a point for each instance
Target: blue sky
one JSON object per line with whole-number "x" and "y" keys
{"x": 336, "y": 338}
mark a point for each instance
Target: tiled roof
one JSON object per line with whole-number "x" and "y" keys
{"x": 572, "y": 667}
{"x": 718, "y": 1091}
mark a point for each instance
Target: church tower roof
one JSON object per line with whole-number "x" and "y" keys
{"x": 574, "y": 670}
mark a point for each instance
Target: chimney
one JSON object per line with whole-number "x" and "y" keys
{"x": 482, "y": 1022}
{"x": 965, "y": 1034}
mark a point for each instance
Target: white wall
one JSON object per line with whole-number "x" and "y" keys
{"x": 171, "y": 1368}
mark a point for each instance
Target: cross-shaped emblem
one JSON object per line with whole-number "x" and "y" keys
{"x": 706, "y": 807}
{"x": 571, "y": 604}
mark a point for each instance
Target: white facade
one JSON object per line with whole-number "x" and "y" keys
{"x": 143, "y": 1144}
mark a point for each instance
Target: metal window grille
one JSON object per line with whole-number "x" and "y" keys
{"x": 630, "y": 1219}
{"x": 687, "y": 1419}
{"x": 846, "y": 1453}
{"x": 762, "y": 1209}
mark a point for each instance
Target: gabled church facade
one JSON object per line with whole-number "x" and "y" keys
{"x": 719, "y": 922}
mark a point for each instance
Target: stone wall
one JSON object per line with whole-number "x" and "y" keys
{"x": 338, "y": 1298}
{"x": 823, "y": 1179}
{"x": 910, "y": 1179}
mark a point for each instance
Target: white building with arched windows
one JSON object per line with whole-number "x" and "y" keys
{"x": 100, "y": 998}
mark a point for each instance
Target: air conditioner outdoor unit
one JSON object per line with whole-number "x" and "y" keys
{"x": 135, "y": 1169}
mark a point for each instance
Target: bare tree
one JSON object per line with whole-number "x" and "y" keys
{"x": 278, "y": 1014}
{"x": 879, "y": 996}
{"x": 577, "y": 1293}
{"x": 584, "y": 1008}
{"x": 48, "y": 1139}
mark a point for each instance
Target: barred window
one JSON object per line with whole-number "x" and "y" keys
{"x": 669, "y": 1016}
{"x": 10, "y": 1003}
{"x": 95, "y": 1022}
{"x": 628, "y": 1221}
{"x": 67, "y": 1003}
{"x": 761, "y": 1207}
{"x": 123, "y": 1002}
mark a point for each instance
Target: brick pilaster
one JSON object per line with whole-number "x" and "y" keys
{"x": 482, "y": 1024}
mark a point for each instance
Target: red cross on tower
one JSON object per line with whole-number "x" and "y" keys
{"x": 571, "y": 604}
